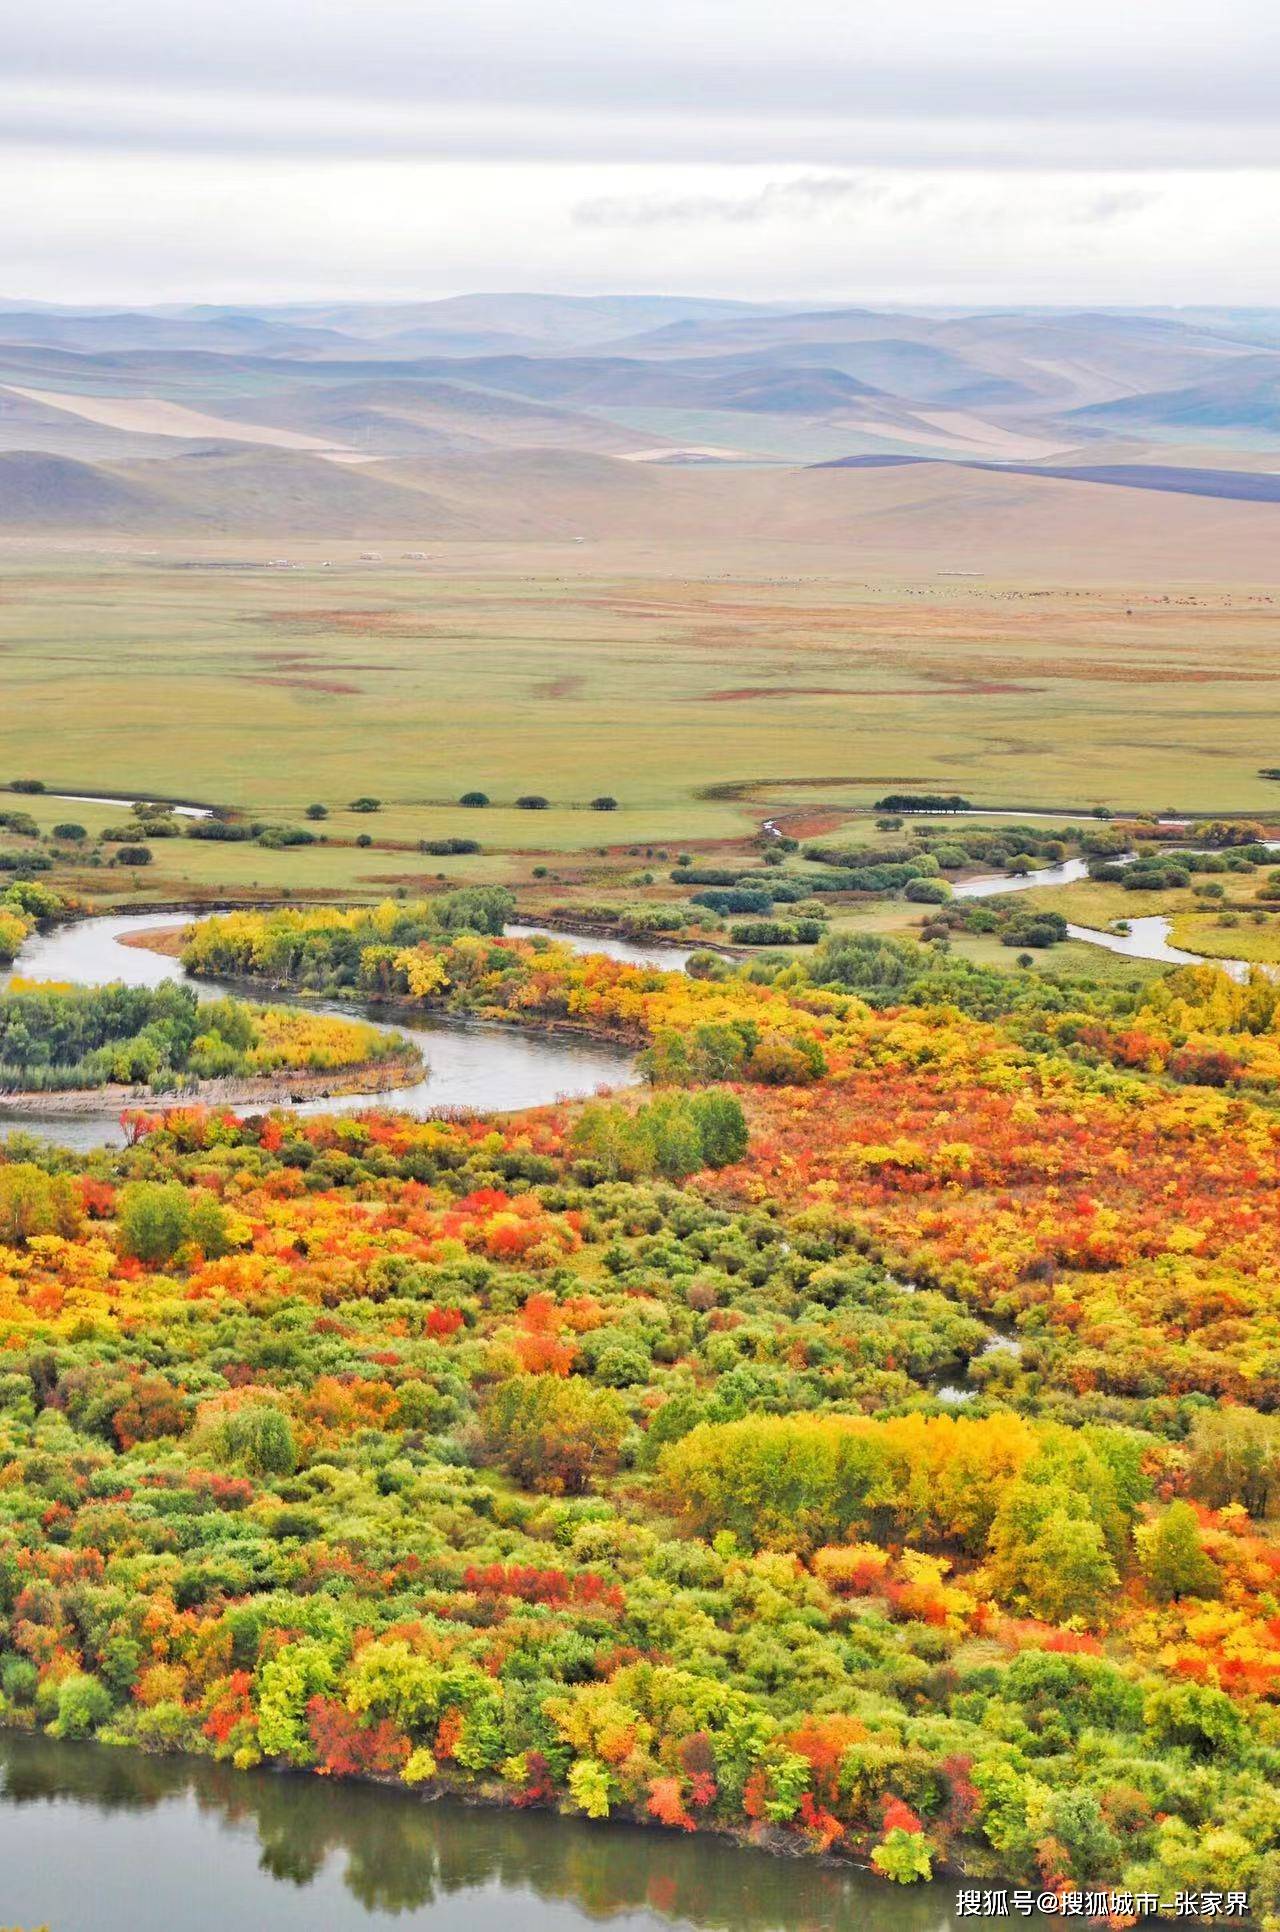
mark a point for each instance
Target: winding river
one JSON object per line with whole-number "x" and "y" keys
{"x": 467, "y": 1064}
{"x": 1145, "y": 938}
{"x": 126, "y": 804}
{"x": 992, "y": 884}
{"x": 166, "y": 1842}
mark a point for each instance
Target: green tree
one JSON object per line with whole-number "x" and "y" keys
{"x": 285, "y": 1684}
{"x": 231, "y": 1020}
{"x": 672, "y": 1131}
{"x": 153, "y": 1220}
{"x": 33, "y": 1202}
{"x": 591, "y": 1787}
{"x": 722, "y": 1126}
{"x": 1172, "y": 1558}
{"x": 553, "y": 1433}
{"x": 84, "y": 1703}
{"x": 1235, "y": 1458}
{"x": 156, "y": 1218}
{"x": 257, "y": 1438}
{"x": 1048, "y": 1554}
{"x": 1076, "y": 1823}
{"x": 484, "y": 909}
{"x": 388, "y": 1679}
{"x": 1197, "y": 1716}
{"x": 904, "y": 1857}
{"x": 19, "y": 1679}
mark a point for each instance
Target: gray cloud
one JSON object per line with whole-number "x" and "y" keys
{"x": 312, "y": 127}
{"x": 1007, "y": 149}
{"x": 1192, "y": 60}
{"x": 818, "y": 82}
{"x": 1113, "y": 204}
{"x": 808, "y": 198}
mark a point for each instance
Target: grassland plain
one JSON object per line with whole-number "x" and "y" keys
{"x": 1093, "y": 903}
{"x": 1246, "y": 925}
{"x": 265, "y": 689}
{"x": 1219, "y": 936}
{"x": 899, "y": 919}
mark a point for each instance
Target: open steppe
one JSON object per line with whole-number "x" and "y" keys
{"x": 704, "y": 700}
{"x": 922, "y": 559}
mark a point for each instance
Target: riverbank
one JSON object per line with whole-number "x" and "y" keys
{"x": 167, "y": 941}
{"x": 611, "y": 944}
{"x": 469, "y": 1067}
{"x": 156, "y": 939}
{"x": 608, "y": 937}
{"x": 351, "y": 1857}
{"x": 773, "y": 1841}
{"x": 277, "y": 1089}
{"x": 447, "y": 1525}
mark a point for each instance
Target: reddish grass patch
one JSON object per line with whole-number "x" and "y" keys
{"x": 741, "y": 691}
{"x": 329, "y": 685}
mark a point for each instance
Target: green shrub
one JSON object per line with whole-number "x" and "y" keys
{"x": 84, "y": 1704}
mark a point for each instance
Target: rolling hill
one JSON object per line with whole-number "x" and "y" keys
{"x": 1243, "y": 398}
{"x": 921, "y": 517}
{"x": 43, "y": 492}
{"x": 404, "y": 392}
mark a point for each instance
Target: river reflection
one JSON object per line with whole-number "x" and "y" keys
{"x": 167, "y": 1843}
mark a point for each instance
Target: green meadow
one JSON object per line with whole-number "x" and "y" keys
{"x": 702, "y": 703}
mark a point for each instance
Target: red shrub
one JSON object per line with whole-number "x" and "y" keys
{"x": 347, "y": 1748}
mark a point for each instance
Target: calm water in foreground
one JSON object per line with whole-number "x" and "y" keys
{"x": 101, "y": 1840}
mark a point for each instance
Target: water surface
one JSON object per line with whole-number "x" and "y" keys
{"x": 1148, "y": 938}
{"x": 484, "y": 1068}
{"x": 100, "y": 1840}
{"x": 631, "y": 952}
{"x": 994, "y": 883}
{"x": 93, "y": 798}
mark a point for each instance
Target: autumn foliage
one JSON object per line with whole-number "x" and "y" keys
{"x": 882, "y": 1456}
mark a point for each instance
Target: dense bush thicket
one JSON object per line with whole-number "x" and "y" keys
{"x": 868, "y": 1434}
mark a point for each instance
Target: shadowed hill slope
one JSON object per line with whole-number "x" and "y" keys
{"x": 917, "y": 516}
{"x": 43, "y": 492}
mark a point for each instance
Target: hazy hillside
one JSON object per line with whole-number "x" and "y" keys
{"x": 1245, "y": 397}
{"x": 922, "y": 517}
{"x": 226, "y": 331}
{"x": 189, "y": 410}
{"x": 402, "y": 415}
{"x": 40, "y": 492}
{"x": 473, "y": 324}
{"x": 1178, "y": 479}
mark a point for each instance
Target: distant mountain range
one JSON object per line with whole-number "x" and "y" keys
{"x": 335, "y": 415}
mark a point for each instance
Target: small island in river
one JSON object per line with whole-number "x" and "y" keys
{"x": 65, "y": 1049}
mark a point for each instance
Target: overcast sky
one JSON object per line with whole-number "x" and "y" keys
{"x": 967, "y": 151}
